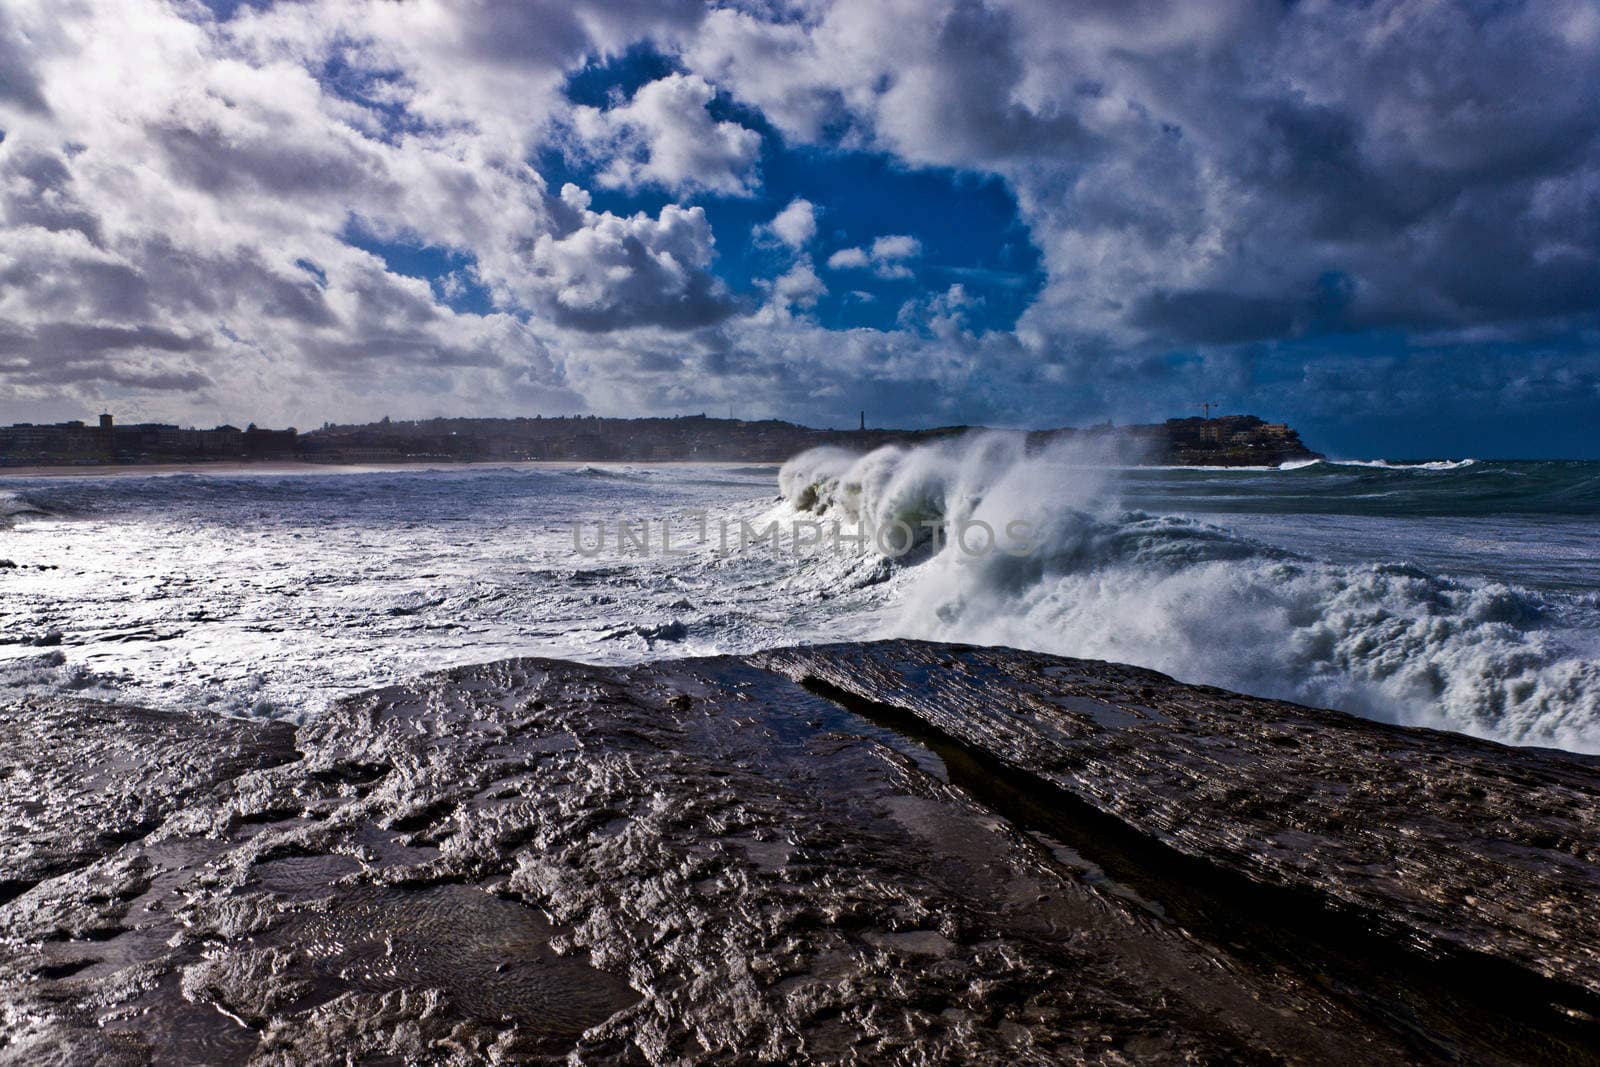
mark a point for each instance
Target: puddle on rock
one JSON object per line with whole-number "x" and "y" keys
{"x": 491, "y": 956}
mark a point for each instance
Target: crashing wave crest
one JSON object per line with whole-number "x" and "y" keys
{"x": 1385, "y": 640}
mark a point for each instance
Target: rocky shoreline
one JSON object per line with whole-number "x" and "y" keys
{"x": 894, "y": 851}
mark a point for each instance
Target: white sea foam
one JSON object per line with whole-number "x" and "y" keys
{"x": 1383, "y": 464}
{"x": 1386, "y": 640}
{"x": 271, "y": 594}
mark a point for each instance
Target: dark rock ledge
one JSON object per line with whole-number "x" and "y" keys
{"x": 894, "y": 852}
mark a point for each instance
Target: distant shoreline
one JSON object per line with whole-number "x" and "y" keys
{"x": 269, "y": 466}
{"x": 1225, "y": 440}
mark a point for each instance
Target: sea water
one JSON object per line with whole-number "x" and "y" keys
{"x": 1459, "y": 594}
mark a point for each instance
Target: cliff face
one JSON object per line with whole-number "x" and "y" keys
{"x": 896, "y": 852}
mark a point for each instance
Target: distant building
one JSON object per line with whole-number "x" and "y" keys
{"x": 75, "y": 442}
{"x": 222, "y": 441}
{"x": 269, "y": 444}
{"x": 63, "y": 442}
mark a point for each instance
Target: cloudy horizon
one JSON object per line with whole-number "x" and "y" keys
{"x": 1379, "y": 221}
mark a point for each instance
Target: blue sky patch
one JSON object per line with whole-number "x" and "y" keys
{"x": 450, "y": 272}
{"x": 967, "y": 223}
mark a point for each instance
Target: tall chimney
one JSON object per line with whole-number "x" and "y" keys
{"x": 863, "y": 422}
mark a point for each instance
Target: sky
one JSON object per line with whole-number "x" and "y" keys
{"x": 1379, "y": 221}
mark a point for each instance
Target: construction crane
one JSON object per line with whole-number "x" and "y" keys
{"x": 1206, "y": 407}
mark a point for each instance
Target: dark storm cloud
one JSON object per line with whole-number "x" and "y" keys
{"x": 979, "y": 115}
{"x": 18, "y": 80}
{"x": 118, "y": 374}
{"x": 651, "y": 299}
{"x": 517, "y": 32}
{"x": 400, "y": 347}
{"x": 221, "y": 163}
{"x": 77, "y": 285}
{"x": 69, "y": 342}
{"x": 1216, "y": 317}
{"x": 64, "y": 354}
{"x": 239, "y": 283}
{"x": 1193, "y": 172}
{"x": 36, "y": 189}
{"x": 1442, "y": 157}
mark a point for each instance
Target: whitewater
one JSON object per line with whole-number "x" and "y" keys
{"x": 1455, "y": 594}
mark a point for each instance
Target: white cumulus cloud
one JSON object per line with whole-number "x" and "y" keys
{"x": 608, "y": 272}
{"x": 796, "y": 224}
{"x": 666, "y": 137}
{"x": 887, "y": 257}
{"x": 800, "y": 286}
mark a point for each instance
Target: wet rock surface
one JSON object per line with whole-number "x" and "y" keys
{"x": 79, "y": 778}
{"x": 894, "y": 852}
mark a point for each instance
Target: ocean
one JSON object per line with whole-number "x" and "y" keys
{"x": 1462, "y": 594}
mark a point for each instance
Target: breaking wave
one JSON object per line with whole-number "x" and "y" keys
{"x": 1387, "y": 640}
{"x": 17, "y": 506}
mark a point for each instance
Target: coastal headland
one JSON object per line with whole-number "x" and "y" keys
{"x": 885, "y": 852}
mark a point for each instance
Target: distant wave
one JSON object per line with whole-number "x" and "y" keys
{"x": 1386, "y": 640}
{"x": 15, "y": 506}
{"x": 1461, "y": 487}
{"x": 1383, "y": 464}
{"x": 619, "y": 474}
